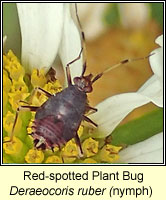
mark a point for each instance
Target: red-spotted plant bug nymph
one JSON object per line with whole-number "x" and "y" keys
{"x": 58, "y": 119}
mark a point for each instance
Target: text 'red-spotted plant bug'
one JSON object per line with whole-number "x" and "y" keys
{"x": 58, "y": 119}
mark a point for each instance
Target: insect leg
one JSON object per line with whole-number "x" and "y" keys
{"x": 77, "y": 139}
{"x": 43, "y": 91}
{"x": 83, "y": 69}
{"x": 91, "y": 108}
{"x": 68, "y": 69}
{"x": 82, "y": 41}
{"x": 79, "y": 56}
{"x": 89, "y": 120}
{"x": 28, "y": 108}
{"x": 52, "y": 149}
{"x": 23, "y": 102}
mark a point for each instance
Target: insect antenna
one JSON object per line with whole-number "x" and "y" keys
{"x": 119, "y": 64}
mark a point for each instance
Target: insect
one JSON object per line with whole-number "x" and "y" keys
{"x": 58, "y": 119}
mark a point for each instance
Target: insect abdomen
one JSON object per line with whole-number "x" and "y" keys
{"x": 65, "y": 112}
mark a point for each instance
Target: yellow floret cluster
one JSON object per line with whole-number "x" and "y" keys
{"x": 18, "y": 89}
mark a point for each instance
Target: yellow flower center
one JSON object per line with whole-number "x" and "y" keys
{"x": 13, "y": 147}
{"x": 8, "y": 121}
{"x": 38, "y": 78}
{"x": 109, "y": 153}
{"x": 34, "y": 156}
{"x": 13, "y": 66}
{"x": 17, "y": 90}
{"x": 90, "y": 147}
{"x": 89, "y": 160}
{"x": 53, "y": 159}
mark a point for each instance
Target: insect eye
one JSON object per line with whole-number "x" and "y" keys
{"x": 77, "y": 80}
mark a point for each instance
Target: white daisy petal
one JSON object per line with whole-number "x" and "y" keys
{"x": 114, "y": 109}
{"x": 70, "y": 46}
{"x": 148, "y": 151}
{"x": 152, "y": 89}
{"x": 39, "y": 22}
{"x": 159, "y": 40}
{"x": 156, "y": 62}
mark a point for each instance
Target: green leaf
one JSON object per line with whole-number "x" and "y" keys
{"x": 29, "y": 142}
{"x": 7, "y": 158}
{"x": 157, "y": 12}
{"x": 5, "y": 134}
{"x": 139, "y": 129}
{"x": 111, "y": 16}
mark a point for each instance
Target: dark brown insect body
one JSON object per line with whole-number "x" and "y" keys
{"x": 59, "y": 118}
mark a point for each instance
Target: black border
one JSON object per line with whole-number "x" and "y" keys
{"x": 129, "y": 164}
